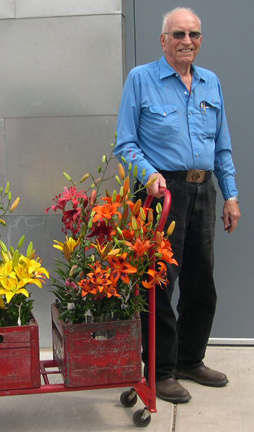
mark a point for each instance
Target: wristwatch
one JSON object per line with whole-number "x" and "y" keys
{"x": 233, "y": 198}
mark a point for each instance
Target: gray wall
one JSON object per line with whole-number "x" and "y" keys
{"x": 61, "y": 76}
{"x": 228, "y": 33}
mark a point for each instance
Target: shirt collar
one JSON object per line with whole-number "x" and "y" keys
{"x": 166, "y": 70}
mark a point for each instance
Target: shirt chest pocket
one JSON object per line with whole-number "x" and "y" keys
{"x": 165, "y": 117}
{"x": 210, "y": 108}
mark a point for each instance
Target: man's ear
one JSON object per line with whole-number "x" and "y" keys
{"x": 162, "y": 40}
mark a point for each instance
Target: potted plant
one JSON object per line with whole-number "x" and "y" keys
{"x": 19, "y": 336}
{"x": 102, "y": 278}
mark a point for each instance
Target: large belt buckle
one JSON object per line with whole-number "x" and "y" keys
{"x": 195, "y": 176}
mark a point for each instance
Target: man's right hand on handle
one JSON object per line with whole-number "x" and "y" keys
{"x": 160, "y": 183}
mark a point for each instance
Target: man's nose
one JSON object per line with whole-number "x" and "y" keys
{"x": 187, "y": 38}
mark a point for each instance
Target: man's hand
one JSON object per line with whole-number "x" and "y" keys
{"x": 231, "y": 215}
{"x": 160, "y": 182}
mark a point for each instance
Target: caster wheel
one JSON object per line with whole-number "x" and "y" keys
{"x": 128, "y": 399}
{"x": 141, "y": 418}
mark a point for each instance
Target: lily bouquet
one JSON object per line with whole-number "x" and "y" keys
{"x": 110, "y": 244}
{"x": 17, "y": 271}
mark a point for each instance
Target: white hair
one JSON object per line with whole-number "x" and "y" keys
{"x": 167, "y": 16}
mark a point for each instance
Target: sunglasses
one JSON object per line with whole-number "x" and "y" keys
{"x": 181, "y": 34}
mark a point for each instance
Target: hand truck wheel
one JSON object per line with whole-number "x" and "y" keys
{"x": 141, "y": 418}
{"x": 129, "y": 398}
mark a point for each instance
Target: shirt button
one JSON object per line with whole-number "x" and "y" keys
{"x": 185, "y": 92}
{"x": 192, "y": 133}
{"x": 191, "y": 112}
{"x": 197, "y": 154}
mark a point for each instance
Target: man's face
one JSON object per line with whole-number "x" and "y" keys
{"x": 181, "y": 52}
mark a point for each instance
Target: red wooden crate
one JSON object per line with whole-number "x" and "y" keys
{"x": 19, "y": 357}
{"x": 86, "y": 361}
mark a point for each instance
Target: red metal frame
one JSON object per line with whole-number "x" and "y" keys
{"x": 147, "y": 392}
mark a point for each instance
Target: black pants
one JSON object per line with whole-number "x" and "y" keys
{"x": 182, "y": 342}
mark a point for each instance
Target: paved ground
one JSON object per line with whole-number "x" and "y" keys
{"x": 210, "y": 409}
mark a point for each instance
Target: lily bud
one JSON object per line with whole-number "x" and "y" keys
{"x": 73, "y": 269}
{"x": 114, "y": 252}
{"x": 92, "y": 198}
{"x": 151, "y": 182}
{"x": 171, "y": 228}
{"x": 143, "y": 172}
{"x": 158, "y": 237}
{"x": 142, "y": 214}
{"x": 84, "y": 178}
{"x": 135, "y": 171}
{"x": 5, "y": 257}
{"x": 136, "y": 207}
{"x": 119, "y": 231}
{"x": 67, "y": 176}
{"x": 29, "y": 250}
{"x": 7, "y": 188}
{"x": 104, "y": 158}
{"x": 15, "y": 258}
{"x": 150, "y": 216}
{"x": 118, "y": 180}
{"x": 114, "y": 196}
{"x": 14, "y": 204}
{"x": 121, "y": 171}
{"x": 134, "y": 223}
{"x": 3, "y": 247}
{"x": 97, "y": 181}
{"x": 159, "y": 208}
{"x": 126, "y": 186}
{"x": 21, "y": 242}
{"x": 90, "y": 222}
{"x": 2, "y": 222}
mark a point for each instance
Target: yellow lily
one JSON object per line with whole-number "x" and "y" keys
{"x": 10, "y": 288}
{"x": 68, "y": 247}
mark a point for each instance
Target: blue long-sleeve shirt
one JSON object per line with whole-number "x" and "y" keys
{"x": 161, "y": 126}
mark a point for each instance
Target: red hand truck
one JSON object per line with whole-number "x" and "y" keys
{"x": 146, "y": 391}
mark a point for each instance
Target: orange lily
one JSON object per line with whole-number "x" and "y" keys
{"x": 106, "y": 211}
{"x": 140, "y": 246}
{"x": 99, "y": 277}
{"x": 165, "y": 249}
{"x": 120, "y": 268}
{"x": 157, "y": 277}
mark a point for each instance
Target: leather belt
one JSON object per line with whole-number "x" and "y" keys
{"x": 191, "y": 176}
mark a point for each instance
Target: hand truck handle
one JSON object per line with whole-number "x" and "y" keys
{"x": 165, "y": 209}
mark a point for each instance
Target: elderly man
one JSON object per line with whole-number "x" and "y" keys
{"x": 172, "y": 123}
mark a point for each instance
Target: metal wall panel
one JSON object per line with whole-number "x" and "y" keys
{"x": 44, "y": 8}
{"x": 41, "y": 230}
{"x": 40, "y": 149}
{"x": 61, "y": 66}
{"x": 2, "y": 153}
{"x": 234, "y": 252}
{"x": 7, "y": 9}
{"x": 60, "y": 84}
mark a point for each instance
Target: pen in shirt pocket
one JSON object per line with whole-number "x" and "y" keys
{"x": 203, "y": 107}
